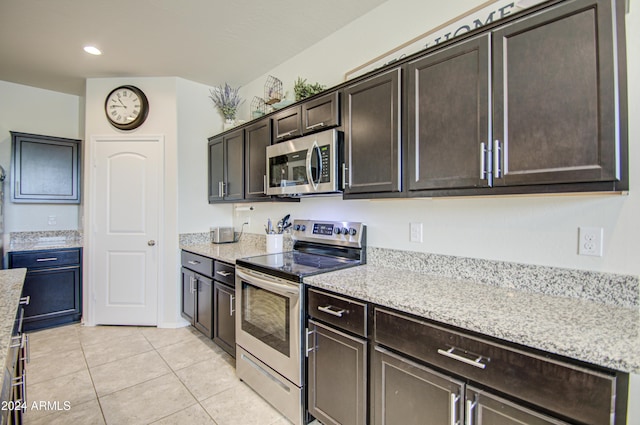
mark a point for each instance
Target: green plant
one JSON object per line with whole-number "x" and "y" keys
{"x": 303, "y": 89}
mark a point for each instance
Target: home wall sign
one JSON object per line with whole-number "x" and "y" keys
{"x": 486, "y": 13}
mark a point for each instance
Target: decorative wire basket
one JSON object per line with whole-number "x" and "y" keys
{"x": 258, "y": 107}
{"x": 272, "y": 90}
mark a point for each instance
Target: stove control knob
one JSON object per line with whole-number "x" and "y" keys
{"x": 303, "y": 227}
{"x": 345, "y": 231}
{"x": 336, "y": 230}
{"x": 352, "y": 231}
{"x": 296, "y": 227}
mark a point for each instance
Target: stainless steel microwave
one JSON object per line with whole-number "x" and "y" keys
{"x": 306, "y": 165}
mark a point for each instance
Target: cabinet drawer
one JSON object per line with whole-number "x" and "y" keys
{"x": 197, "y": 263}
{"x": 585, "y": 395}
{"x": 341, "y": 312}
{"x": 45, "y": 258}
{"x": 225, "y": 273}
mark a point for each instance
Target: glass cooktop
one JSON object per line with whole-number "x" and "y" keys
{"x": 295, "y": 264}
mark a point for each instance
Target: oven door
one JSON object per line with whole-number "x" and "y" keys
{"x": 268, "y": 324}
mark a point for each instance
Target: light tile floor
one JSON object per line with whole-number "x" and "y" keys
{"x": 125, "y": 375}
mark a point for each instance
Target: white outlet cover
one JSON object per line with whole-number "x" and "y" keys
{"x": 415, "y": 232}
{"x": 590, "y": 241}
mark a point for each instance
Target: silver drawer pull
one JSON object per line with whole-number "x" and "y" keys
{"x": 311, "y": 127}
{"x": 42, "y": 260}
{"x": 25, "y": 300}
{"x": 449, "y": 353}
{"x": 194, "y": 263}
{"x": 288, "y": 133}
{"x": 328, "y": 310}
{"x": 223, "y": 273}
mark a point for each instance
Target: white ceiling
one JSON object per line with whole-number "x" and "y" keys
{"x": 207, "y": 41}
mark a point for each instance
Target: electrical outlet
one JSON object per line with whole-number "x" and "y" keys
{"x": 247, "y": 220}
{"x": 590, "y": 241}
{"x": 52, "y": 220}
{"x": 415, "y": 232}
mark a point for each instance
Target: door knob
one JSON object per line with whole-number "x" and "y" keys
{"x": 151, "y": 242}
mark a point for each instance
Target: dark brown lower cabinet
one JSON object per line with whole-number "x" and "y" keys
{"x": 197, "y": 301}
{"x": 337, "y": 369}
{"x": 407, "y": 393}
{"x": 224, "y": 334}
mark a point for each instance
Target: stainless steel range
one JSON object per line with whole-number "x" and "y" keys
{"x": 270, "y": 304}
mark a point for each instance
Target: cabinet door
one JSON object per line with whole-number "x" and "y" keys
{"x": 257, "y": 138}
{"x": 203, "y": 319}
{"x": 225, "y": 317}
{"x": 216, "y": 169}
{"x": 45, "y": 169}
{"x": 448, "y": 116}
{"x": 55, "y": 297}
{"x": 188, "y": 301}
{"x": 555, "y": 105}
{"x": 234, "y": 166}
{"x": 408, "y": 393}
{"x": 488, "y": 409}
{"x": 321, "y": 113}
{"x": 287, "y": 124}
{"x": 372, "y": 135}
{"x": 337, "y": 371}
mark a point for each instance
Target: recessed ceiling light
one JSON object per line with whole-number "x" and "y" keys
{"x": 92, "y": 50}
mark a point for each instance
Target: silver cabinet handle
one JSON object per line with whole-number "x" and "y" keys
{"x": 223, "y": 273}
{"x": 288, "y": 133}
{"x": 43, "y": 260}
{"x": 193, "y": 262}
{"x": 151, "y": 242}
{"x": 344, "y": 175}
{"x": 497, "y": 150}
{"x": 470, "y": 406}
{"x": 483, "y": 165}
{"x": 311, "y": 127}
{"x": 454, "y": 411}
{"x": 450, "y": 353}
{"x": 192, "y": 284}
{"x": 264, "y": 184}
{"x": 221, "y": 189}
{"x": 25, "y": 300}
{"x": 308, "y": 349}
{"x": 25, "y": 347}
{"x": 327, "y": 309}
{"x": 232, "y": 300}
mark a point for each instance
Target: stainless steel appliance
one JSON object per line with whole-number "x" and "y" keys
{"x": 222, "y": 235}
{"x": 306, "y": 165}
{"x": 270, "y": 306}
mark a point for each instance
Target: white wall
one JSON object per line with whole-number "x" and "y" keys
{"x": 32, "y": 110}
{"x": 535, "y": 230}
{"x": 198, "y": 119}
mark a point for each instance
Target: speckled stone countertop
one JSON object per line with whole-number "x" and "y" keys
{"x": 596, "y": 333}
{"x": 11, "y": 282}
{"x": 36, "y": 241}
{"x": 249, "y": 245}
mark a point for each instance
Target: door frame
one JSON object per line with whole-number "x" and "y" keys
{"x": 90, "y": 221}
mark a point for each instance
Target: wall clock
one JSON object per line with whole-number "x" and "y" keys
{"x": 126, "y": 107}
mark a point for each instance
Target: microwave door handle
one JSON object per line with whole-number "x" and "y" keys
{"x": 314, "y": 150}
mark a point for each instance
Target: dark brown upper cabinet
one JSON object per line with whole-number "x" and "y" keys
{"x": 321, "y": 113}
{"x": 556, "y": 116}
{"x": 257, "y": 138}
{"x": 372, "y": 131}
{"x": 45, "y": 169}
{"x": 226, "y": 172}
{"x": 448, "y": 114}
{"x": 287, "y": 124}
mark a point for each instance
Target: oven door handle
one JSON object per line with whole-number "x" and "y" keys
{"x": 278, "y": 288}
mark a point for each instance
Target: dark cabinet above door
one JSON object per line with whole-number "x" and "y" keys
{"x": 556, "y": 92}
{"x": 321, "y": 113}
{"x": 448, "y": 115}
{"x": 45, "y": 169}
{"x": 372, "y": 127}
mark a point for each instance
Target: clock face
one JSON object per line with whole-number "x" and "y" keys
{"x": 126, "y": 107}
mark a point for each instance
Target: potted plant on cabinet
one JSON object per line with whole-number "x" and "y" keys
{"x": 227, "y": 100}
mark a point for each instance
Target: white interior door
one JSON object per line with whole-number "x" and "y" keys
{"x": 126, "y": 228}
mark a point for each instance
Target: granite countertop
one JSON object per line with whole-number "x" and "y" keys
{"x": 227, "y": 252}
{"x": 11, "y": 281}
{"x": 596, "y": 333}
{"x": 39, "y": 246}
{"x": 41, "y": 240}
